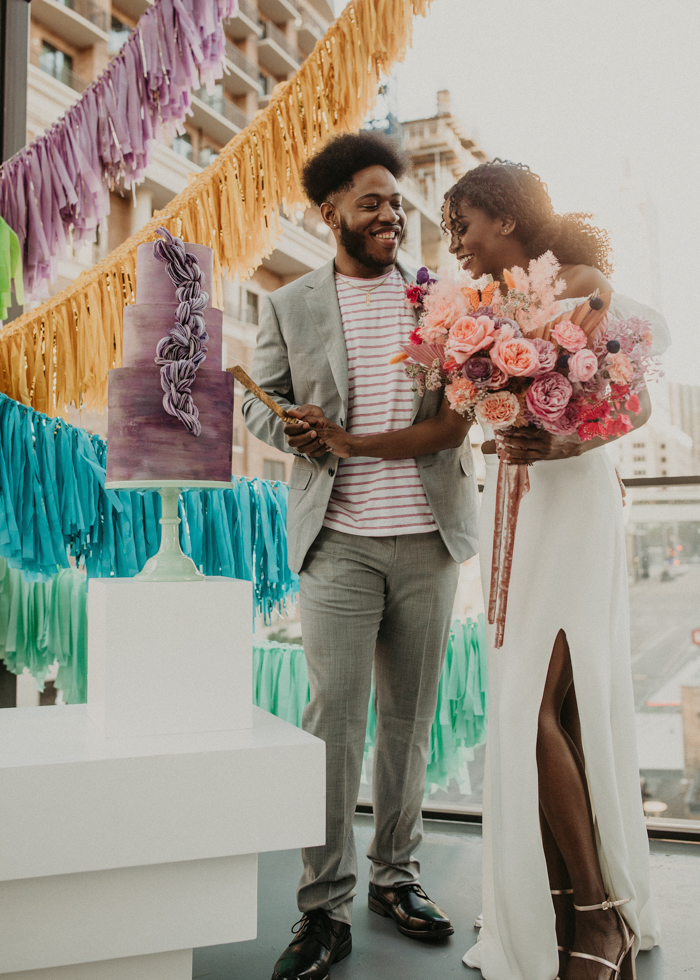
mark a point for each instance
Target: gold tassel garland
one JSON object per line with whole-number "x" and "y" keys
{"x": 60, "y": 352}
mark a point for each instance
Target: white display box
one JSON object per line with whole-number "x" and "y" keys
{"x": 169, "y": 657}
{"x": 73, "y": 801}
{"x": 156, "y": 966}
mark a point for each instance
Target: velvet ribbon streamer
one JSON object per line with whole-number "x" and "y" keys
{"x": 10, "y": 268}
{"x": 58, "y": 186}
{"x": 60, "y": 352}
{"x": 512, "y": 485}
{"x": 53, "y": 504}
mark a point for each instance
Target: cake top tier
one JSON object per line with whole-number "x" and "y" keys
{"x": 154, "y": 285}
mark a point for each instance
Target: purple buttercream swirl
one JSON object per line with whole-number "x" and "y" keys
{"x": 184, "y": 349}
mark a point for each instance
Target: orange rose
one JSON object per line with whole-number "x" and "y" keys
{"x": 461, "y": 394}
{"x": 516, "y": 357}
{"x": 620, "y": 368}
{"x": 469, "y": 335}
{"x": 499, "y": 409}
{"x": 438, "y": 320}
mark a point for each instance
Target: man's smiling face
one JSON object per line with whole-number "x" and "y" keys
{"x": 370, "y": 220}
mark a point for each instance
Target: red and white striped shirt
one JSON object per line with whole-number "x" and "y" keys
{"x": 377, "y": 497}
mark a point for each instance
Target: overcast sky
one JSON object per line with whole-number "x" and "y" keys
{"x": 602, "y": 99}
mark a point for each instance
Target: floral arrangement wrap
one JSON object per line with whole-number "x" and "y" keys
{"x": 515, "y": 360}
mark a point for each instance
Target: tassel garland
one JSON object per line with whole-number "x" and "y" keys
{"x": 59, "y": 353}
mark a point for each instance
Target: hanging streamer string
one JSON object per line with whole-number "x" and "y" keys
{"x": 53, "y": 504}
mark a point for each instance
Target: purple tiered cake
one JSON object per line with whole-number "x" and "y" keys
{"x": 145, "y": 442}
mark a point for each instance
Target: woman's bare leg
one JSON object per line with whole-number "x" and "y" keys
{"x": 559, "y": 880}
{"x": 566, "y": 807}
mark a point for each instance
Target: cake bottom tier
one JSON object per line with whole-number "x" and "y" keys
{"x": 145, "y": 443}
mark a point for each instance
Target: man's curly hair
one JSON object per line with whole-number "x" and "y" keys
{"x": 333, "y": 168}
{"x": 511, "y": 190}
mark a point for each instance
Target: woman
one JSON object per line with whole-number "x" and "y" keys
{"x": 564, "y": 833}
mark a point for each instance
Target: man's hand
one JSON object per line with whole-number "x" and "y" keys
{"x": 340, "y": 442}
{"x": 303, "y": 438}
{"x": 528, "y": 445}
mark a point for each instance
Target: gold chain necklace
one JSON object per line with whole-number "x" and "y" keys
{"x": 362, "y": 289}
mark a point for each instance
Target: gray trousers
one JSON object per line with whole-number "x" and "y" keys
{"x": 384, "y": 603}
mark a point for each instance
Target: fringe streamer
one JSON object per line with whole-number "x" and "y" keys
{"x": 56, "y": 190}
{"x": 10, "y": 268}
{"x": 53, "y": 504}
{"x": 281, "y": 686}
{"x": 59, "y": 353}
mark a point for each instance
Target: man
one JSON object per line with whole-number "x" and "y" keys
{"x": 377, "y": 543}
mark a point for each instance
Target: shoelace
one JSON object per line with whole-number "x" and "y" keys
{"x": 411, "y": 887}
{"x": 314, "y": 922}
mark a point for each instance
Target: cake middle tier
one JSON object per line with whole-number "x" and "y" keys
{"x": 145, "y": 324}
{"x": 145, "y": 443}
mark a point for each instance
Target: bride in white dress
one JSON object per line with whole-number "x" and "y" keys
{"x": 564, "y": 832}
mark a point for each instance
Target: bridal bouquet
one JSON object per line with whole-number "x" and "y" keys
{"x": 515, "y": 360}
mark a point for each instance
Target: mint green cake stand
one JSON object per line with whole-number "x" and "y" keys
{"x": 169, "y": 564}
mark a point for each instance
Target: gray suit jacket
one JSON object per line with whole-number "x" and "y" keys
{"x": 301, "y": 358}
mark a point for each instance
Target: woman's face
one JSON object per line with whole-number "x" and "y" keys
{"x": 482, "y": 244}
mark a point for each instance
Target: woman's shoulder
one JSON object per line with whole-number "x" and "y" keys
{"x": 582, "y": 280}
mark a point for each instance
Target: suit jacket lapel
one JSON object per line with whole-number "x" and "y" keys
{"x": 322, "y": 301}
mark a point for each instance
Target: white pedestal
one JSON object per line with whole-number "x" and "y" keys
{"x": 163, "y": 653}
{"x": 120, "y": 854}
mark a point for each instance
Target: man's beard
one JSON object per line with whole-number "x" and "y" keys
{"x": 354, "y": 244}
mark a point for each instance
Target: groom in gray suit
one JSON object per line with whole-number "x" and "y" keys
{"x": 377, "y": 539}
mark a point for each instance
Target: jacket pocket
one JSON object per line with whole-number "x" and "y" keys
{"x": 300, "y": 477}
{"x": 466, "y": 461}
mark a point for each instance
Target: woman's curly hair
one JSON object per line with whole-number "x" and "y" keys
{"x": 333, "y": 168}
{"x": 511, "y": 190}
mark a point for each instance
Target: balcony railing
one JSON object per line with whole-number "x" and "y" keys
{"x": 273, "y": 33}
{"x": 89, "y": 10}
{"x": 237, "y": 58}
{"x": 225, "y": 108}
{"x": 249, "y": 10}
{"x": 60, "y": 72}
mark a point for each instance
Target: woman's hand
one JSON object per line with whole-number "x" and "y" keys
{"x": 529, "y": 445}
{"x": 335, "y": 438}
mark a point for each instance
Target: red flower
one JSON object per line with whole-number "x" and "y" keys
{"x": 589, "y": 430}
{"x": 414, "y": 295}
{"x": 632, "y": 405}
{"x": 415, "y": 338}
{"x": 619, "y": 391}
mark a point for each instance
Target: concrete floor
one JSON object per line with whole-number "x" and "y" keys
{"x": 451, "y": 868}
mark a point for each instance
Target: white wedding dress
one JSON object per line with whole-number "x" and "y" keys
{"x": 569, "y": 572}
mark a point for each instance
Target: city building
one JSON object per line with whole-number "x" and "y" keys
{"x": 684, "y": 406}
{"x": 654, "y": 451}
{"x": 71, "y": 41}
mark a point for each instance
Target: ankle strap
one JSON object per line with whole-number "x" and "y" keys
{"x": 607, "y": 904}
{"x": 561, "y": 891}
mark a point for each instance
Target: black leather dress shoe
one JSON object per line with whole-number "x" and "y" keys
{"x": 319, "y": 942}
{"x": 411, "y": 909}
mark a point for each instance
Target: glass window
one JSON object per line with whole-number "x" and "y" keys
{"x": 118, "y": 34}
{"x": 183, "y": 145}
{"x": 273, "y": 469}
{"x": 55, "y": 62}
{"x": 251, "y": 307}
{"x": 206, "y": 155}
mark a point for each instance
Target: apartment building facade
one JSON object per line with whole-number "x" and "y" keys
{"x": 71, "y": 42}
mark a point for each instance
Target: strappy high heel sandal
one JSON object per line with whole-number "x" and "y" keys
{"x": 626, "y": 960}
{"x": 562, "y": 891}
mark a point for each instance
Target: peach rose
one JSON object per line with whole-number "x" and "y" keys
{"x": 620, "y": 368}
{"x": 569, "y": 336}
{"x": 582, "y": 365}
{"x": 499, "y": 379}
{"x": 516, "y": 357}
{"x": 440, "y": 316}
{"x": 461, "y": 394}
{"x": 469, "y": 335}
{"x": 499, "y": 409}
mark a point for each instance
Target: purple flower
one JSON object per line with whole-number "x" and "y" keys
{"x": 478, "y": 369}
{"x": 422, "y": 276}
{"x": 547, "y": 353}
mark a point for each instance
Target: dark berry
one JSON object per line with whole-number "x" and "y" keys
{"x": 563, "y": 361}
{"x": 613, "y": 346}
{"x": 596, "y": 303}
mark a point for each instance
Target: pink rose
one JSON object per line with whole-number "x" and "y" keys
{"x": 547, "y": 353}
{"x": 469, "y": 335}
{"x": 461, "y": 394}
{"x": 568, "y": 422}
{"x": 620, "y": 368}
{"x": 436, "y": 323}
{"x": 582, "y": 365}
{"x": 516, "y": 357}
{"x": 548, "y": 396}
{"x": 499, "y": 409}
{"x": 569, "y": 336}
